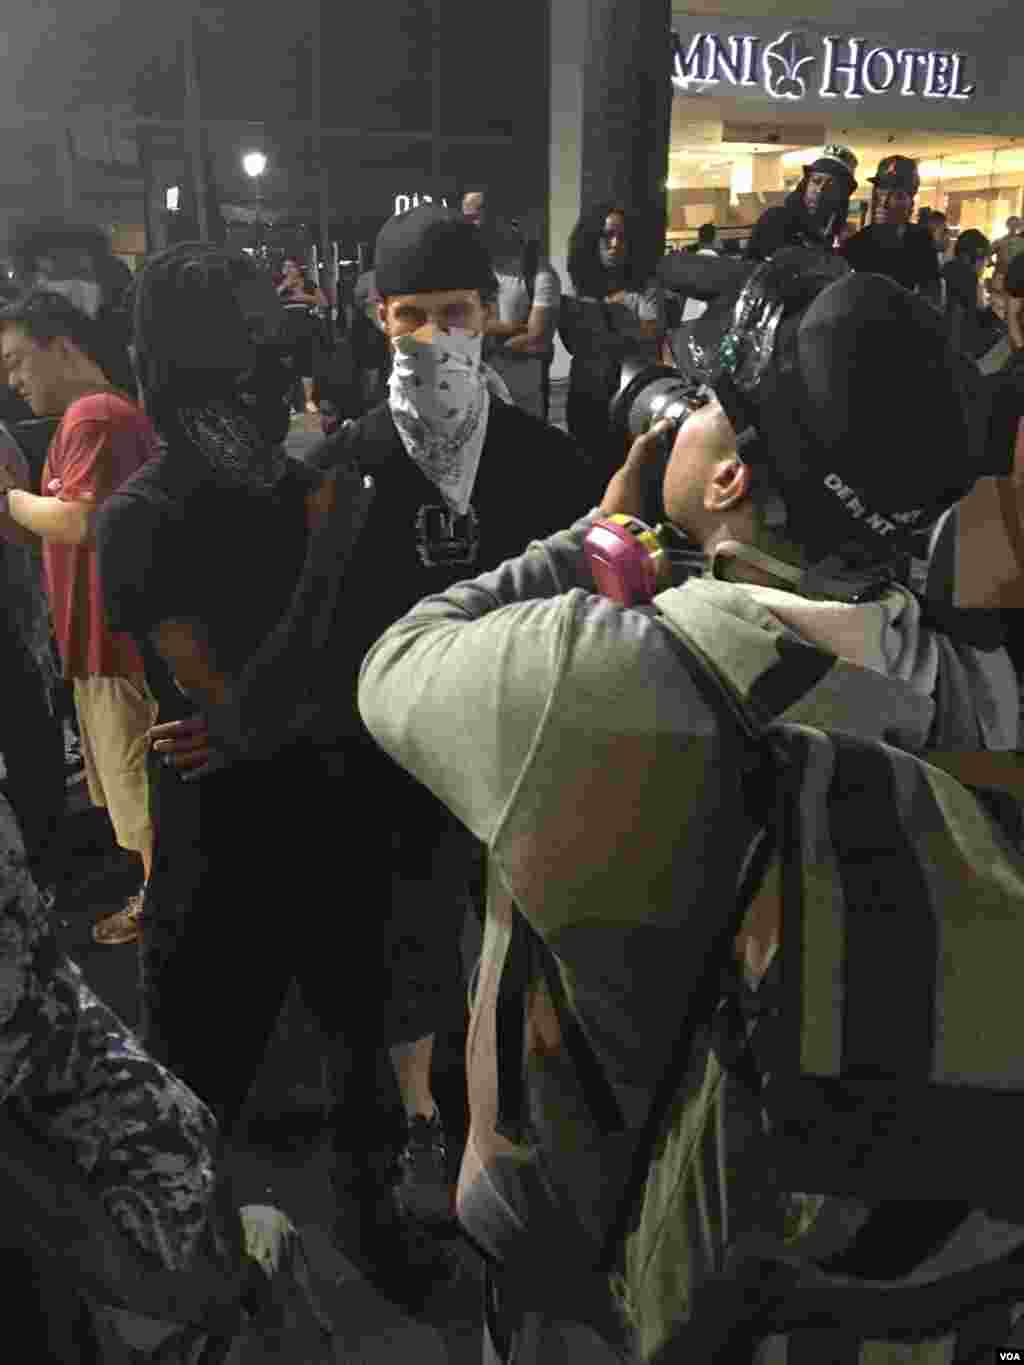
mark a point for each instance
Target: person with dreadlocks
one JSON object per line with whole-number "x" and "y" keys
{"x": 815, "y": 213}
{"x": 202, "y": 556}
{"x": 614, "y": 311}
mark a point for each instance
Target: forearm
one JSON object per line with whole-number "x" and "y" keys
{"x": 494, "y": 327}
{"x": 629, "y": 332}
{"x": 547, "y": 568}
{"x": 475, "y": 662}
{"x": 65, "y": 523}
{"x": 537, "y": 339}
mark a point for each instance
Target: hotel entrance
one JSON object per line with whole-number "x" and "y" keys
{"x": 755, "y": 101}
{"x": 728, "y": 173}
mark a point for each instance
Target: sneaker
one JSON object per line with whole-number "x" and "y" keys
{"x": 287, "y": 1319}
{"x": 401, "y": 1258}
{"x": 424, "y": 1189}
{"x": 123, "y": 926}
{"x": 74, "y": 763}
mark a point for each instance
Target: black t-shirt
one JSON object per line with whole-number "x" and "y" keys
{"x": 961, "y": 283}
{"x": 174, "y": 543}
{"x": 911, "y": 261}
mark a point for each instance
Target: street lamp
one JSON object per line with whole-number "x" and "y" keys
{"x": 254, "y": 164}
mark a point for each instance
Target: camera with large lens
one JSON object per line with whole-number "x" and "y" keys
{"x": 649, "y": 394}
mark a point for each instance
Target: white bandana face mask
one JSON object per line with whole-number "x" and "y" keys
{"x": 440, "y": 398}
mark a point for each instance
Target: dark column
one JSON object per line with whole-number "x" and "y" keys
{"x": 627, "y": 111}
{"x": 611, "y": 112}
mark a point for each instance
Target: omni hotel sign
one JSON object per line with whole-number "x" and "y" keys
{"x": 795, "y": 66}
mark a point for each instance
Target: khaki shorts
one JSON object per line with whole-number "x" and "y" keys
{"x": 114, "y": 715}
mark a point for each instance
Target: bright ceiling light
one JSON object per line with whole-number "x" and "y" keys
{"x": 803, "y": 156}
{"x": 254, "y": 164}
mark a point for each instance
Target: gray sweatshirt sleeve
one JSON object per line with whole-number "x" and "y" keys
{"x": 456, "y": 690}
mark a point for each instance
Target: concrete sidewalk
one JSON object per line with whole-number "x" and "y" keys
{"x": 282, "y": 1155}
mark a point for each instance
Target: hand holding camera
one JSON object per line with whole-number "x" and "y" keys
{"x": 630, "y": 488}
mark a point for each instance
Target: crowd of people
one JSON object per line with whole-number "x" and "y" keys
{"x": 392, "y": 667}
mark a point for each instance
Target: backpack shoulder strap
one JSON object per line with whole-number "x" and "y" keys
{"x": 780, "y": 834}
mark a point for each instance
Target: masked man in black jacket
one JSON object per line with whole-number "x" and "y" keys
{"x": 815, "y": 211}
{"x": 458, "y": 472}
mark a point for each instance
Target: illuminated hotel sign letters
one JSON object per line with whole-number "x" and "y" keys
{"x": 405, "y": 202}
{"x": 792, "y": 67}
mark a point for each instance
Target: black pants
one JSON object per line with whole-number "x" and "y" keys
{"x": 341, "y": 883}
{"x": 32, "y": 743}
{"x": 44, "y": 1317}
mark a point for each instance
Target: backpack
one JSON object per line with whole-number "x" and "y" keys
{"x": 871, "y": 1055}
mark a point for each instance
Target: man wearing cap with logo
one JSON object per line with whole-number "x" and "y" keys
{"x": 561, "y": 728}
{"x": 891, "y": 244}
{"x": 816, "y": 210}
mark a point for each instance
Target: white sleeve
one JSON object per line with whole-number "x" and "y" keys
{"x": 650, "y": 306}
{"x": 513, "y": 300}
{"x": 547, "y": 288}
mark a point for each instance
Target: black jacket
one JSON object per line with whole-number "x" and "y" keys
{"x": 912, "y": 261}
{"x": 533, "y": 480}
{"x": 787, "y": 225}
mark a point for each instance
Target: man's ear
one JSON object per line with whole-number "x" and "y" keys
{"x": 382, "y": 315}
{"x": 730, "y": 484}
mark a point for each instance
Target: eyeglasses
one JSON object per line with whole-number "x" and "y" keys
{"x": 618, "y": 235}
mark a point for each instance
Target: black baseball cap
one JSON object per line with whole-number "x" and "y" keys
{"x": 844, "y": 386}
{"x": 429, "y": 250}
{"x": 897, "y": 173}
{"x": 836, "y": 160}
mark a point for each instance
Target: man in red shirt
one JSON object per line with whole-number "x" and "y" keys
{"x": 49, "y": 349}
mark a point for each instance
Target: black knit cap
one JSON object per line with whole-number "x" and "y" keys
{"x": 429, "y": 251}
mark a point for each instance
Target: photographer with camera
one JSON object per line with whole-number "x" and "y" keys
{"x": 606, "y": 780}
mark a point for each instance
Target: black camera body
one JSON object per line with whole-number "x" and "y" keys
{"x": 649, "y": 394}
